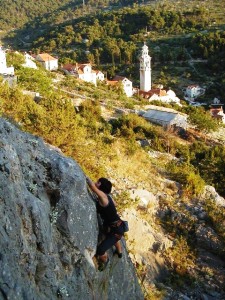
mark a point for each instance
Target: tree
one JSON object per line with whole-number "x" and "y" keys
{"x": 203, "y": 120}
{"x": 210, "y": 162}
{"x": 187, "y": 176}
{"x": 34, "y": 80}
{"x": 15, "y": 59}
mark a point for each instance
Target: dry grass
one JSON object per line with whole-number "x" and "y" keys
{"x": 133, "y": 171}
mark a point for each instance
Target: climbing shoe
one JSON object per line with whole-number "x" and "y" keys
{"x": 103, "y": 265}
{"x": 119, "y": 254}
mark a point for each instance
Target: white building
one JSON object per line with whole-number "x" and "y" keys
{"x": 49, "y": 62}
{"x": 29, "y": 62}
{"x": 100, "y": 76}
{"x": 165, "y": 117}
{"x": 4, "y": 70}
{"x": 84, "y": 72}
{"x": 145, "y": 70}
{"x": 193, "y": 91}
{"x": 216, "y": 111}
{"x": 160, "y": 95}
{"x": 216, "y": 101}
{"x": 126, "y": 83}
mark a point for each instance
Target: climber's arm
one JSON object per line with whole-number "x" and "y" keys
{"x": 103, "y": 199}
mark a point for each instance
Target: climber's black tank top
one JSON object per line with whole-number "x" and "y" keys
{"x": 108, "y": 213}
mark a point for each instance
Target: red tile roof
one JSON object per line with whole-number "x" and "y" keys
{"x": 216, "y": 112}
{"x": 112, "y": 82}
{"x": 45, "y": 57}
{"x": 150, "y": 93}
{"x": 69, "y": 67}
{"x": 119, "y": 78}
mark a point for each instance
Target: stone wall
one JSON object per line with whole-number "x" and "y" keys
{"x": 49, "y": 228}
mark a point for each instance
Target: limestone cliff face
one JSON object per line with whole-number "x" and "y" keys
{"x": 49, "y": 228}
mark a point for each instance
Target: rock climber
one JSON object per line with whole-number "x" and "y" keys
{"x": 111, "y": 221}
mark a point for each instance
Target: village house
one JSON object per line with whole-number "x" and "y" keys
{"x": 216, "y": 111}
{"x": 126, "y": 83}
{"x": 83, "y": 72}
{"x": 99, "y": 75}
{"x": 160, "y": 95}
{"x": 4, "y": 70}
{"x": 7, "y": 73}
{"x": 216, "y": 101}
{"x": 49, "y": 62}
{"x": 193, "y": 91}
{"x": 29, "y": 61}
{"x": 166, "y": 117}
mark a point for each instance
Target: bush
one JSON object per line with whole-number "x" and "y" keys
{"x": 216, "y": 217}
{"x": 180, "y": 259}
{"x": 190, "y": 180}
{"x": 203, "y": 120}
{"x": 123, "y": 200}
{"x": 210, "y": 163}
{"x": 34, "y": 80}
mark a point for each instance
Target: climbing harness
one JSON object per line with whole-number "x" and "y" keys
{"x": 117, "y": 223}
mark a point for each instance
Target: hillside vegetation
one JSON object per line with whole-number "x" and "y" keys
{"x": 55, "y": 119}
{"x": 50, "y": 12}
{"x": 186, "y": 42}
{"x": 22, "y": 11}
{"x": 112, "y": 149}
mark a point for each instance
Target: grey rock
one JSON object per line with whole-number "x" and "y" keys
{"x": 204, "y": 297}
{"x": 208, "y": 239}
{"x": 49, "y": 228}
{"x": 203, "y": 216}
{"x": 184, "y": 297}
{"x": 210, "y": 193}
{"x": 213, "y": 296}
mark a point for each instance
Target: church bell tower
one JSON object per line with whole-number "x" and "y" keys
{"x": 3, "y": 66}
{"x": 145, "y": 70}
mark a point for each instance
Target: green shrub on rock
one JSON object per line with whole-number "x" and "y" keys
{"x": 190, "y": 180}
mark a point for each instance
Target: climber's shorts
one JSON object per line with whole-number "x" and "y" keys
{"x": 115, "y": 234}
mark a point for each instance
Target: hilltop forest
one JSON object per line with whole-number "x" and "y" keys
{"x": 22, "y": 12}
{"x": 177, "y": 34}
